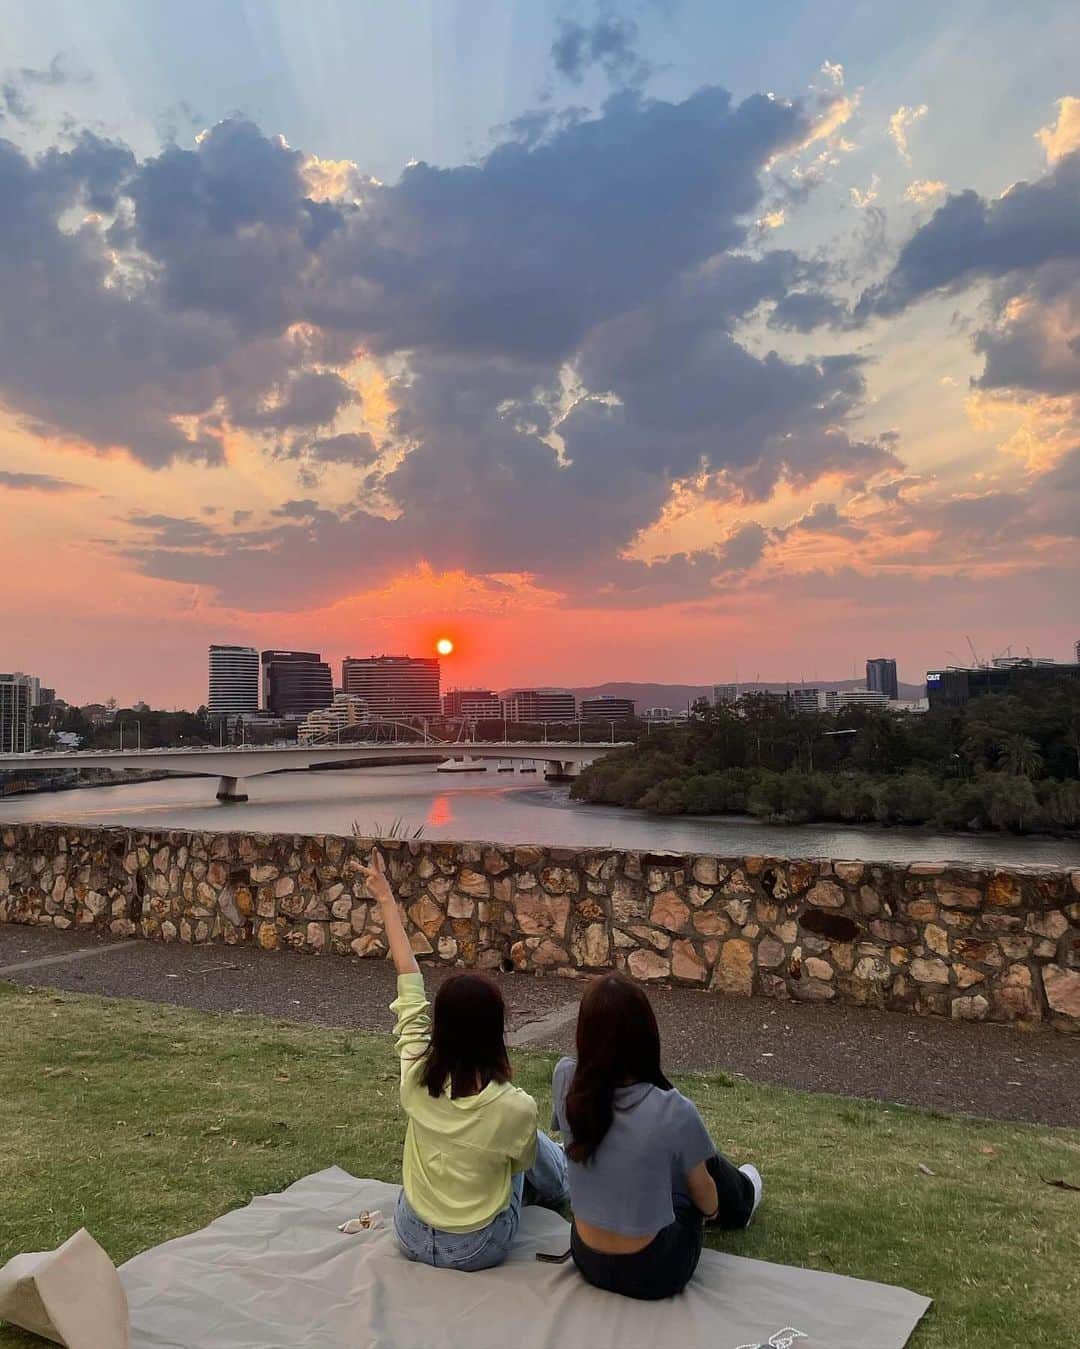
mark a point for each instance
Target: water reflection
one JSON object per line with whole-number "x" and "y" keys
{"x": 503, "y": 809}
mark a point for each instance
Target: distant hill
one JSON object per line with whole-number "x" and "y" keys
{"x": 678, "y": 695}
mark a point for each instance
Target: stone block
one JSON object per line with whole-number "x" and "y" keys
{"x": 537, "y": 914}
{"x": 647, "y": 965}
{"x": 826, "y": 895}
{"x": 668, "y": 911}
{"x": 770, "y": 953}
{"x": 590, "y": 945}
{"x": 817, "y": 968}
{"x": 929, "y": 971}
{"x": 1051, "y": 925}
{"x": 706, "y": 871}
{"x": 734, "y": 969}
{"x": 1062, "y": 988}
{"x": 686, "y": 963}
{"x": 974, "y": 1008}
{"x": 461, "y": 906}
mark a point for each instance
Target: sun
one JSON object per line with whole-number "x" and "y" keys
{"x": 444, "y": 646}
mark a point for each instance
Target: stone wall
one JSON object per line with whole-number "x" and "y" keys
{"x": 971, "y": 944}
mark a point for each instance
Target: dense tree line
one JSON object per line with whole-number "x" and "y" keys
{"x": 1007, "y": 761}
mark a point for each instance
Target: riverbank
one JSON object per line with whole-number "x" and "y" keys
{"x": 508, "y": 809}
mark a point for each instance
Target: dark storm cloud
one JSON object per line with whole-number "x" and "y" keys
{"x": 610, "y": 43}
{"x": 969, "y": 237}
{"x": 37, "y": 482}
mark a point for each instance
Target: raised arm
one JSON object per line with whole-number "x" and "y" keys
{"x": 378, "y": 885}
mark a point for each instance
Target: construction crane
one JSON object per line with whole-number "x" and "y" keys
{"x": 974, "y": 653}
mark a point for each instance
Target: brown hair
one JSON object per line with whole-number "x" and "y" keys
{"x": 467, "y": 1043}
{"x": 618, "y": 1043}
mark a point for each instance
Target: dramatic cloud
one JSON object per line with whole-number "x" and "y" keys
{"x": 557, "y": 330}
{"x": 970, "y": 238}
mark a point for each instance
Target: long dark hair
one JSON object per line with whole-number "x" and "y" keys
{"x": 618, "y": 1042}
{"x": 466, "y": 1037}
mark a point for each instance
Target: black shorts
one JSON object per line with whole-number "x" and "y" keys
{"x": 662, "y": 1269}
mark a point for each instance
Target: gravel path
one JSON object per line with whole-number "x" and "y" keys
{"x": 1001, "y": 1072}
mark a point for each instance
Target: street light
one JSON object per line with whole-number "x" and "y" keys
{"x": 138, "y": 729}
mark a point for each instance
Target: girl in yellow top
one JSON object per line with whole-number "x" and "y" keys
{"x": 471, "y": 1145}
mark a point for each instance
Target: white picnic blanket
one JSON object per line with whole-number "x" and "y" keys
{"x": 279, "y": 1275}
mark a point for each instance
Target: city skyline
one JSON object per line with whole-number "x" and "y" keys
{"x": 634, "y": 341}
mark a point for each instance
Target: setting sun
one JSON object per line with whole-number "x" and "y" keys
{"x": 444, "y": 646}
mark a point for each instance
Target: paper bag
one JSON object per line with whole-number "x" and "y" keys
{"x": 72, "y": 1296}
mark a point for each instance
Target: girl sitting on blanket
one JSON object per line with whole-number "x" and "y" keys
{"x": 644, "y": 1173}
{"x": 471, "y": 1144}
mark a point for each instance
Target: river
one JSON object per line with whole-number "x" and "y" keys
{"x": 502, "y": 808}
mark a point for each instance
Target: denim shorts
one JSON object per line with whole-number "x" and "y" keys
{"x": 458, "y": 1250}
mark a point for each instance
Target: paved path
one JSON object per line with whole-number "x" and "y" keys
{"x": 997, "y": 1071}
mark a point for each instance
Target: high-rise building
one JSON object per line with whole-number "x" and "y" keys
{"x": 881, "y": 677}
{"x": 295, "y": 683}
{"x": 956, "y": 685}
{"x": 539, "y": 705}
{"x": 477, "y": 704}
{"x": 15, "y": 714}
{"x": 835, "y": 699}
{"x": 725, "y": 695}
{"x": 805, "y": 700}
{"x": 394, "y": 686}
{"x": 234, "y": 681}
{"x": 33, "y": 684}
{"x": 1076, "y": 652}
{"x": 607, "y": 708}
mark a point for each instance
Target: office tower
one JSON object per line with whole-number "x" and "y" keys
{"x": 476, "y": 704}
{"x": 1076, "y": 653}
{"x": 234, "y": 681}
{"x": 539, "y": 705}
{"x": 725, "y": 695}
{"x": 295, "y": 683}
{"x": 805, "y": 700}
{"x": 607, "y": 708}
{"x": 15, "y": 714}
{"x": 394, "y": 686}
{"x": 881, "y": 677}
{"x": 835, "y": 699}
{"x": 33, "y": 685}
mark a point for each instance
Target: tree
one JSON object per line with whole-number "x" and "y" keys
{"x": 1019, "y": 755}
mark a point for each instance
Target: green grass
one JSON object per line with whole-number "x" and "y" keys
{"x": 141, "y": 1122}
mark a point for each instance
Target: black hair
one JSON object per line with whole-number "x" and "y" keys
{"x": 618, "y": 1043}
{"x": 467, "y": 1043}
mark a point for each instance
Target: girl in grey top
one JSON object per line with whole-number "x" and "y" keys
{"x": 644, "y": 1173}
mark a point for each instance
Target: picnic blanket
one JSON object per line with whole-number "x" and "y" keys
{"x": 279, "y": 1275}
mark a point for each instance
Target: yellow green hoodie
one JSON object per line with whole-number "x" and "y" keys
{"x": 459, "y": 1152}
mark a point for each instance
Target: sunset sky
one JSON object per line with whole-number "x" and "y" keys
{"x": 625, "y": 341}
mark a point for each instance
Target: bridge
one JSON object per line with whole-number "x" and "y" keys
{"x": 233, "y": 766}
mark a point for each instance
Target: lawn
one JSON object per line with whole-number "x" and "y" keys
{"x": 141, "y": 1122}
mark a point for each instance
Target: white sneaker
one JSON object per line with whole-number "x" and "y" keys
{"x": 754, "y": 1176}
